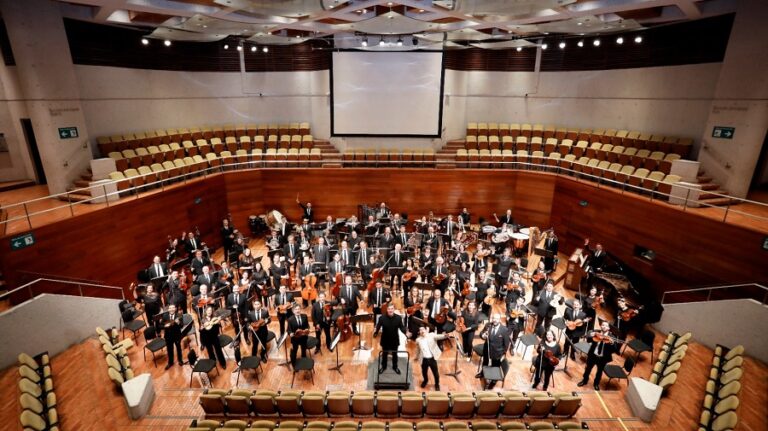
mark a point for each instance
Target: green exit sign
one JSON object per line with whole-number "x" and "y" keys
{"x": 68, "y": 132}
{"x": 22, "y": 241}
{"x": 723, "y": 132}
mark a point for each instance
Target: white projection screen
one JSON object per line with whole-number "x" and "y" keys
{"x": 386, "y": 93}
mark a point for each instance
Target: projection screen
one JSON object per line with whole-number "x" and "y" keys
{"x": 386, "y": 93}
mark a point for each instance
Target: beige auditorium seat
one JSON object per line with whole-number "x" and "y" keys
{"x": 526, "y": 130}
{"x": 493, "y": 129}
{"x": 514, "y": 130}
{"x": 503, "y": 129}
{"x": 549, "y": 132}
{"x": 536, "y": 144}
{"x": 550, "y": 145}
{"x": 565, "y": 147}
{"x": 471, "y": 129}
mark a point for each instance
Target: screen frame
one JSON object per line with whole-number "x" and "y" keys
{"x": 439, "y": 133}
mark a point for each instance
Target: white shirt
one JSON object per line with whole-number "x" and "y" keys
{"x": 423, "y": 343}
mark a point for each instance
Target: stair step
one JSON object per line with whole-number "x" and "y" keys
{"x": 717, "y": 201}
{"x": 709, "y": 186}
{"x": 712, "y": 195}
{"x": 75, "y": 197}
{"x": 81, "y": 183}
{"x": 704, "y": 179}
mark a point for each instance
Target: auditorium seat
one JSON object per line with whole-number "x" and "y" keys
{"x": 597, "y": 167}
{"x": 258, "y": 142}
{"x": 156, "y": 154}
{"x": 177, "y": 150}
{"x": 567, "y": 161}
{"x": 493, "y": 130}
{"x": 537, "y": 157}
{"x": 607, "y": 136}
{"x": 615, "y": 154}
{"x": 493, "y": 142}
{"x": 470, "y": 143}
{"x": 506, "y": 426}
{"x": 537, "y": 131}
{"x": 652, "y": 161}
{"x": 665, "y": 165}
{"x": 263, "y": 403}
{"x": 625, "y": 158}
{"x": 482, "y": 142}
{"x": 472, "y": 129}
{"x": 462, "y": 405}
{"x": 134, "y": 161}
{"x": 503, "y": 130}
{"x": 482, "y": 129}
{"x": 497, "y": 157}
{"x": 189, "y": 148}
{"x": 612, "y": 171}
{"x": 485, "y": 156}
{"x": 550, "y": 145}
{"x": 565, "y": 146}
{"x": 521, "y": 143}
{"x": 638, "y": 160}
{"x": 212, "y": 402}
{"x": 507, "y": 143}
{"x": 514, "y": 130}
{"x": 526, "y": 130}
{"x": 412, "y": 405}
{"x": 536, "y": 144}
{"x": 304, "y": 129}
{"x": 580, "y": 148}
{"x": 580, "y": 164}
{"x": 488, "y": 404}
{"x": 338, "y": 403}
{"x": 593, "y": 148}
{"x": 553, "y": 159}
{"x": 618, "y": 139}
{"x": 387, "y": 404}
{"x": 122, "y": 182}
{"x": 521, "y": 156}
{"x": 604, "y": 152}
{"x": 144, "y": 157}
{"x": 315, "y": 154}
{"x": 461, "y": 157}
{"x": 437, "y": 405}
{"x": 307, "y": 141}
{"x": 560, "y": 133}
{"x": 540, "y": 405}
{"x": 285, "y": 142}
{"x": 665, "y": 186}
{"x": 652, "y": 180}
{"x": 566, "y": 404}
{"x": 159, "y": 171}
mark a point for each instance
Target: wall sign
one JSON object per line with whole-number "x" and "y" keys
{"x": 723, "y": 132}
{"x": 22, "y": 241}
{"x": 68, "y": 132}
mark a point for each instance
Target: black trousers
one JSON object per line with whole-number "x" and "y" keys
{"x": 282, "y": 318}
{"x": 574, "y": 338}
{"x": 547, "y": 371}
{"x": 324, "y": 328}
{"x": 543, "y": 320}
{"x": 466, "y": 340}
{"x": 430, "y": 364}
{"x": 384, "y": 356}
{"x": 594, "y": 361}
{"x": 295, "y": 344}
{"x": 255, "y": 337}
{"x": 215, "y": 352}
{"x": 170, "y": 343}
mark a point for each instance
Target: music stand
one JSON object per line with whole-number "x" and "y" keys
{"x": 281, "y": 342}
{"x": 456, "y": 370}
{"x": 332, "y": 347}
{"x": 543, "y": 252}
{"x": 359, "y": 318}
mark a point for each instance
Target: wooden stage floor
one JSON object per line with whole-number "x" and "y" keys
{"x": 89, "y": 401}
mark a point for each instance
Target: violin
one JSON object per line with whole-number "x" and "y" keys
{"x": 209, "y": 324}
{"x": 437, "y": 279}
{"x": 376, "y": 274}
{"x": 309, "y": 292}
{"x": 345, "y": 327}
{"x": 628, "y": 314}
{"x": 573, "y": 324}
{"x": 550, "y": 356}
{"x": 514, "y": 314}
{"x": 460, "y": 324}
{"x": 490, "y": 296}
{"x": 300, "y": 333}
{"x": 282, "y": 309}
{"x": 203, "y": 302}
{"x": 465, "y": 289}
{"x": 336, "y": 289}
{"x": 259, "y": 323}
{"x": 442, "y": 316}
{"x": 414, "y": 308}
{"x": 599, "y": 337}
{"x": 408, "y": 276}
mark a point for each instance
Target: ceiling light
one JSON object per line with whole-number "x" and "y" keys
{"x": 638, "y": 39}
{"x": 399, "y": 41}
{"x": 389, "y": 3}
{"x": 579, "y": 23}
{"x": 365, "y": 41}
{"x": 226, "y": 46}
{"x": 596, "y": 42}
{"x": 580, "y": 43}
{"x": 253, "y": 49}
{"x": 167, "y": 42}
{"x": 562, "y": 45}
{"x": 298, "y": 36}
{"x": 421, "y": 10}
{"x": 364, "y": 11}
{"x": 239, "y": 48}
{"x": 544, "y": 46}
{"x": 381, "y": 42}
{"x": 619, "y": 40}
{"x": 144, "y": 41}
{"x": 519, "y": 48}
{"x": 265, "y": 49}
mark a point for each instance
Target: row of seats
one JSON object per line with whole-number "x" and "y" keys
{"x": 132, "y": 177}
{"x": 371, "y": 157}
{"x": 625, "y": 138}
{"x": 389, "y": 404}
{"x": 637, "y": 159}
{"x": 142, "y": 156}
{"x": 722, "y": 391}
{"x": 149, "y": 138}
{"x": 670, "y": 359}
{"x": 266, "y": 425}
{"x": 118, "y": 364}
{"x": 37, "y": 399}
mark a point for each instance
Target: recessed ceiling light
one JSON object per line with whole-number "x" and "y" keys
{"x": 580, "y": 43}
{"x": 167, "y": 42}
{"x": 381, "y": 42}
{"x": 239, "y": 48}
{"x": 389, "y": 3}
{"x": 544, "y": 46}
{"x": 253, "y": 49}
{"x": 265, "y": 49}
{"x": 144, "y": 41}
{"x": 562, "y": 45}
{"x": 421, "y": 10}
{"x": 619, "y": 40}
{"x": 596, "y": 42}
{"x": 638, "y": 39}
{"x": 579, "y": 23}
{"x": 519, "y": 48}
{"x": 226, "y": 46}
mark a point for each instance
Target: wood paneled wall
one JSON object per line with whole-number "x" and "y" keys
{"x": 112, "y": 244}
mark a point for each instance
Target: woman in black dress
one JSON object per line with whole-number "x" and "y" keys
{"x": 546, "y": 362}
{"x": 210, "y": 328}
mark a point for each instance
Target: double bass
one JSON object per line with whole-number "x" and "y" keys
{"x": 344, "y": 325}
{"x": 376, "y": 275}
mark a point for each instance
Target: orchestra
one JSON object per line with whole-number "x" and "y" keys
{"x": 454, "y": 285}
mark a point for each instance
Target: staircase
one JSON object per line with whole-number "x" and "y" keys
{"x": 82, "y": 195}
{"x": 447, "y": 154}
{"x": 710, "y": 191}
{"x": 331, "y": 157}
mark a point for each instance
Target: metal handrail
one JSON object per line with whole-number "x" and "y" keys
{"x": 59, "y": 277}
{"x": 230, "y": 163}
{"x": 710, "y": 289}
{"x": 28, "y": 287}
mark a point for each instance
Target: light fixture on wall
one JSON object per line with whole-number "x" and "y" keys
{"x": 544, "y": 46}
{"x": 239, "y": 47}
{"x": 519, "y": 48}
{"x": 167, "y": 42}
{"x": 619, "y": 40}
{"x": 226, "y": 46}
{"x": 381, "y": 42}
{"x": 144, "y": 41}
{"x": 562, "y": 45}
{"x": 253, "y": 49}
{"x": 365, "y": 41}
{"x": 580, "y": 43}
{"x": 638, "y": 39}
{"x": 399, "y": 41}
{"x": 265, "y": 49}
{"x": 596, "y": 42}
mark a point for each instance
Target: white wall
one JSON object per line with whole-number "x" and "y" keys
{"x": 12, "y": 109}
{"x": 120, "y": 100}
{"x": 66, "y": 320}
{"x": 671, "y": 100}
{"x": 734, "y": 322}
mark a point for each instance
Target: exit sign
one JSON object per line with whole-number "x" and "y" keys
{"x": 68, "y": 132}
{"x": 22, "y": 241}
{"x": 723, "y": 132}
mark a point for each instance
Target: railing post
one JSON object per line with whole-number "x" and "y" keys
{"x": 80, "y": 289}
{"x": 727, "y": 207}
{"x": 26, "y": 213}
{"x": 106, "y": 196}
{"x": 69, "y": 200}
{"x": 709, "y": 294}
{"x": 685, "y": 204}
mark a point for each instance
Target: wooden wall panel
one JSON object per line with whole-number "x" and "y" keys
{"x": 112, "y": 244}
{"x": 691, "y": 251}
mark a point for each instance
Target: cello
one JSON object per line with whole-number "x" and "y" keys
{"x": 344, "y": 324}
{"x": 309, "y": 292}
{"x": 336, "y": 289}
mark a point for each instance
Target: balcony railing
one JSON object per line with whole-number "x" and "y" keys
{"x": 754, "y": 291}
{"x": 39, "y": 286}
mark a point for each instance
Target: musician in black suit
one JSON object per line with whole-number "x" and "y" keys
{"x": 292, "y": 253}
{"x": 544, "y": 309}
{"x": 308, "y": 212}
{"x": 435, "y": 307}
{"x": 238, "y": 303}
{"x": 282, "y": 298}
{"x": 207, "y": 301}
{"x": 389, "y": 326}
{"x": 516, "y": 315}
{"x": 260, "y": 334}
{"x": 472, "y": 320}
{"x": 427, "y": 260}
{"x": 496, "y": 338}
{"x": 507, "y": 218}
{"x": 152, "y": 301}
{"x": 481, "y": 263}
{"x": 283, "y": 230}
{"x": 227, "y": 237}
{"x": 597, "y": 260}
{"x": 225, "y": 279}
{"x": 377, "y": 298}
{"x": 157, "y": 269}
{"x": 329, "y": 225}
{"x": 346, "y": 254}
{"x": 503, "y": 266}
{"x": 450, "y": 227}
{"x": 192, "y": 244}
{"x": 465, "y": 216}
{"x": 600, "y": 354}
{"x": 363, "y": 256}
{"x": 440, "y": 268}
{"x": 205, "y": 278}
{"x": 335, "y": 267}
{"x": 397, "y": 260}
{"x": 172, "y": 333}
{"x": 481, "y": 286}
{"x": 517, "y": 289}
{"x": 298, "y": 322}
{"x": 540, "y": 277}
{"x": 574, "y": 335}
{"x": 550, "y": 244}
{"x": 176, "y": 296}
{"x": 402, "y": 237}
{"x": 321, "y": 253}
{"x": 430, "y": 239}
{"x": 350, "y": 294}
{"x": 321, "y": 321}
{"x": 386, "y": 241}
{"x": 198, "y": 262}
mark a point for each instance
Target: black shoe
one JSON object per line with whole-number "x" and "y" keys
{"x": 437, "y": 387}
{"x": 581, "y": 383}
{"x": 424, "y": 384}
{"x": 479, "y": 375}
{"x": 381, "y": 370}
{"x": 597, "y": 387}
{"x": 397, "y": 371}
{"x": 167, "y": 367}
{"x": 181, "y": 364}
{"x": 533, "y": 386}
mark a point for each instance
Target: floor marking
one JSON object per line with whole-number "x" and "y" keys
{"x": 603, "y": 403}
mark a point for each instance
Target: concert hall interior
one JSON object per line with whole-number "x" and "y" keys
{"x": 372, "y": 215}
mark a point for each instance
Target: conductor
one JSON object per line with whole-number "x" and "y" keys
{"x": 389, "y": 324}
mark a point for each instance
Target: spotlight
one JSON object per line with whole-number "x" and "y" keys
{"x": 226, "y": 46}
{"x": 544, "y": 46}
{"x": 167, "y": 42}
{"x": 619, "y": 40}
{"x": 399, "y": 42}
{"x": 580, "y": 43}
{"x": 381, "y": 42}
{"x": 253, "y": 49}
{"x": 519, "y": 48}
{"x": 144, "y": 41}
{"x": 562, "y": 45}
{"x": 365, "y": 41}
{"x": 265, "y": 49}
{"x": 638, "y": 39}
{"x": 596, "y": 42}
{"x": 239, "y": 48}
